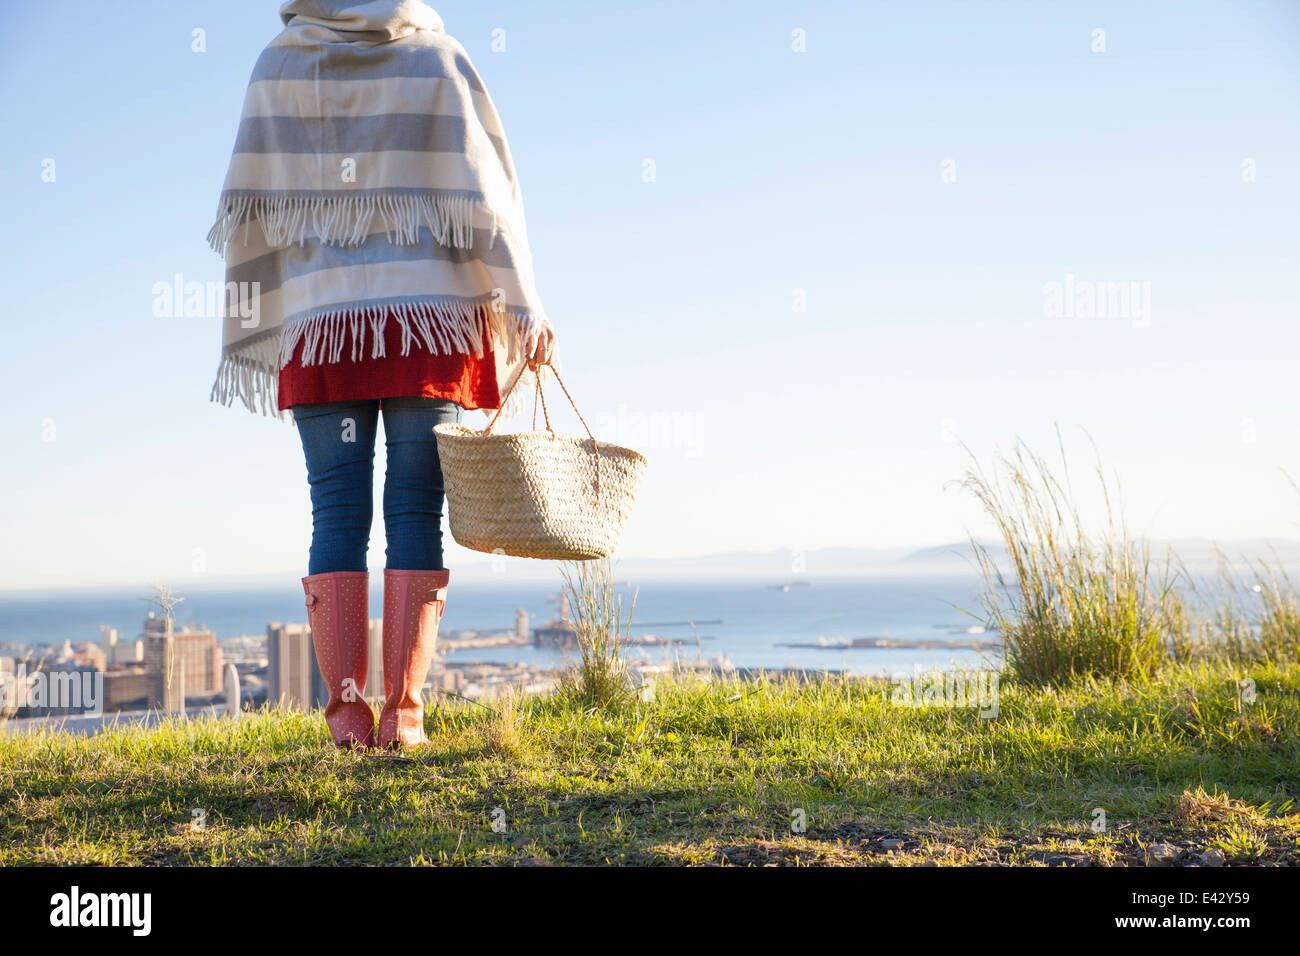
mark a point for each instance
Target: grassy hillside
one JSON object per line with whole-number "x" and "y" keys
{"x": 703, "y": 774}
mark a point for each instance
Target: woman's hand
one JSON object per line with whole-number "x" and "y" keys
{"x": 545, "y": 346}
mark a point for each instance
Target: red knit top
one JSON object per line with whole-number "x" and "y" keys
{"x": 464, "y": 379}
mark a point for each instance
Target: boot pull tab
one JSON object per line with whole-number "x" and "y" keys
{"x": 436, "y": 594}
{"x": 311, "y": 599}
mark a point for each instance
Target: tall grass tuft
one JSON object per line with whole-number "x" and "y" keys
{"x": 600, "y": 677}
{"x": 501, "y": 735}
{"x": 1279, "y": 615}
{"x": 1077, "y": 604}
{"x": 1245, "y": 618}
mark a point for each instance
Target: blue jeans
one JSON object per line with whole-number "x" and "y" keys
{"x": 338, "y": 440}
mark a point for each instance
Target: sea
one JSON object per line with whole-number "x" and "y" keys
{"x": 746, "y": 622}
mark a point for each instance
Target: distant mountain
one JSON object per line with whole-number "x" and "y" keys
{"x": 786, "y": 565}
{"x": 779, "y": 566}
{"x": 958, "y": 557}
{"x": 1192, "y": 553}
{"x": 1199, "y": 553}
{"x": 959, "y": 552}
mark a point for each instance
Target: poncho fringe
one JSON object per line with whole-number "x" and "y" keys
{"x": 442, "y": 326}
{"x": 346, "y": 220}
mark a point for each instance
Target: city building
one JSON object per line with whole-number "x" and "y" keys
{"x": 85, "y": 654}
{"x": 117, "y": 651}
{"x": 375, "y": 668}
{"x": 195, "y": 668}
{"x": 292, "y": 677}
{"x": 128, "y": 687}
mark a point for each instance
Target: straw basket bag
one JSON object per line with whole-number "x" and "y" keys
{"x": 537, "y": 494}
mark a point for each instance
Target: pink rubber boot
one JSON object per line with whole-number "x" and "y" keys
{"x": 338, "y": 608}
{"x": 413, "y": 603}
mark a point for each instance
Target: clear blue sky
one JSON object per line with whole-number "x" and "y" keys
{"x": 776, "y": 171}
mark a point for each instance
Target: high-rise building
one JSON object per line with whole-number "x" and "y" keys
{"x": 194, "y": 670}
{"x": 292, "y": 677}
{"x": 118, "y": 652}
{"x": 375, "y": 668}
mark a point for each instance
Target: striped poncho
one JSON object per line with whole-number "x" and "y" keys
{"x": 370, "y": 183}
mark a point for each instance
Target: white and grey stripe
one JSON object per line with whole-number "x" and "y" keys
{"x": 370, "y": 181}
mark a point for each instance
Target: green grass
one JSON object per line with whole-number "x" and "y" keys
{"x": 1071, "y": 602}
{"x": 600, "y": 677}
{"x": 704, "y": 774}
{"x": 1075, "y": 602}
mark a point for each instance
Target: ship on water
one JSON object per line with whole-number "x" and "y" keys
{"x": 559, "y": 630}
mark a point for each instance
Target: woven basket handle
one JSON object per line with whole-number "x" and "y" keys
{"x": 595, "y": 445}
{"x": 539, "y": 395}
